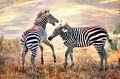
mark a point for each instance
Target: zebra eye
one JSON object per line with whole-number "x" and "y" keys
{"x": 64, "y": 30}
{"x": 50, "y": 15}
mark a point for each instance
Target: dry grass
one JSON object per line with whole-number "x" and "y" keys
{"x": 86, "y": 64}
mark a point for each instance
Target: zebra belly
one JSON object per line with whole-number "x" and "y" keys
{"x": 84, "y": 44}
{"x": 68, "y": 43}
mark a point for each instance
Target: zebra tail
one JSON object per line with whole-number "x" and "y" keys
{"x": 23, "y": 51}
{"x": 110, "y": 40}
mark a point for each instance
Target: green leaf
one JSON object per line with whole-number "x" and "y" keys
{"x": 114, "y": 46}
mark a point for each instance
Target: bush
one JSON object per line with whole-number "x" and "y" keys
{"x": 117, "y": 29}
{"x": 1, "y": 42}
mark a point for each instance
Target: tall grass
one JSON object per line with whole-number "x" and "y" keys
{"x": 86, "y": 64}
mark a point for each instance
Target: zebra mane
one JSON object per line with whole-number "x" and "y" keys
{"x": 66, "y": 24}
{"x": 40, "y": 18}
{"x": 42, "y": 12}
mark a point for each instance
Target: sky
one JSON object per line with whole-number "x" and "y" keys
{"x": 17, "y": 16}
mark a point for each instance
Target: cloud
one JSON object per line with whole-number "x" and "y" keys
{"x": 12, "y": 36}
{"x": 84, "y": 14}
{"x": 108, "y": 1}
{"x": 7, "y": 17}
{"x": 16, "y": 15}
{"x": 12, "y": 28}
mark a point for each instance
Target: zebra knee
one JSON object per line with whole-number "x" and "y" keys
{"x": 66, "y": 55}
{"x": 51, "y": 46}
{"x": 105, "y": 55}
{"x": 41, "y": 47}
{"x": 23, "y": 57}
{"x": 33, "y": 59}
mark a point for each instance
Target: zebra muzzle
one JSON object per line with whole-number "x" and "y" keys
{"x": 56, "y": 20}
{"x": 50, "y": 38}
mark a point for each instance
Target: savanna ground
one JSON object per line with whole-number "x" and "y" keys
{"x": 86, "y": 64}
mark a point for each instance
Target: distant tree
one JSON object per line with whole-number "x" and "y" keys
{"x": 117, "y": 29}
{"x": 119, "y": 11}
{"x": 1, "y": 42}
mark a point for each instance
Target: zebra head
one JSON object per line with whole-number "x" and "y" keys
{"x": 56, "y": 32}
{"x": 45, "y": 17}
{"x": 60, "y": 30}
{"x": 67, "y": 28}
{"x": 52, "y": 19}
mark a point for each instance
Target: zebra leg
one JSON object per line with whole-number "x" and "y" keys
{"x": 23, "y": 56}
{"x": 49, "y": 44}
{"x": 101, "y": 54}
{"x": 101, "y": 63}
{"x": 66, "y": 55}
{"x": 71, "y": 56}
{"x": 105, "y": 57}
{"x": 33, "y": 59}
{"x": 42, "y": 61}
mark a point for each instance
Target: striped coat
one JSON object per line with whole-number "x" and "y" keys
{"x": 32, "y": 38}
{"x": 82, "y": 37}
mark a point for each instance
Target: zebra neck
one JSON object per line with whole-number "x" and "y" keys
{"x": 67, "y": 35}
{"x": 41, "y": 24}
{"x": 64, "y": 36}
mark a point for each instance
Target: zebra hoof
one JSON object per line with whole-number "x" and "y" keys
{"x": 101, "y": 69}
{"x": 65, "y": 67}
{"x": 69, "y": 67}
{"x": 23, "y": 71}
{"x": 106, "y": 69}
{"x": 54, "y": 61}
{"x": 37, "y": 71}
{"x": 42, "y": 62}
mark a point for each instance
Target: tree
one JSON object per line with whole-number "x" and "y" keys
{"x": 117, "y": 29}
{"x": 1, "y": 42}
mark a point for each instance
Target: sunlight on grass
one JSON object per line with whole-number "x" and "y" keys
{"x": 86, "y": 64}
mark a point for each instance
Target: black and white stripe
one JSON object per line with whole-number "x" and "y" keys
{"x": 33, "y": 37}
{"x": 30, "y": 39}
{"x": 83, "y": 37}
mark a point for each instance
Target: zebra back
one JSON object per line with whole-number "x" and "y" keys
{"x": 86, "y": 36}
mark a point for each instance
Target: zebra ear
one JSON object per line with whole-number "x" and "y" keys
{"x": 65, "y": 24}
{"x": 40, "y": 13}
{"x": 46, "y": 11}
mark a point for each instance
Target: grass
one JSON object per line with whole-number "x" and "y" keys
{"x": 86, "y": 64}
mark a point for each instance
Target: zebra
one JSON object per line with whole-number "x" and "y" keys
{"x": 83, "y": 37}
{"x": 33, "y": 37}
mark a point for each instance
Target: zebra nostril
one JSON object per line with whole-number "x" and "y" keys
{"x": 57, "y": 21}
{"x": 53, "y": 24}
{"x": 50, "y": 38}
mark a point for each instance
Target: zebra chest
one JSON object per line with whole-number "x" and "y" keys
{"x": 68, "y": 42}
